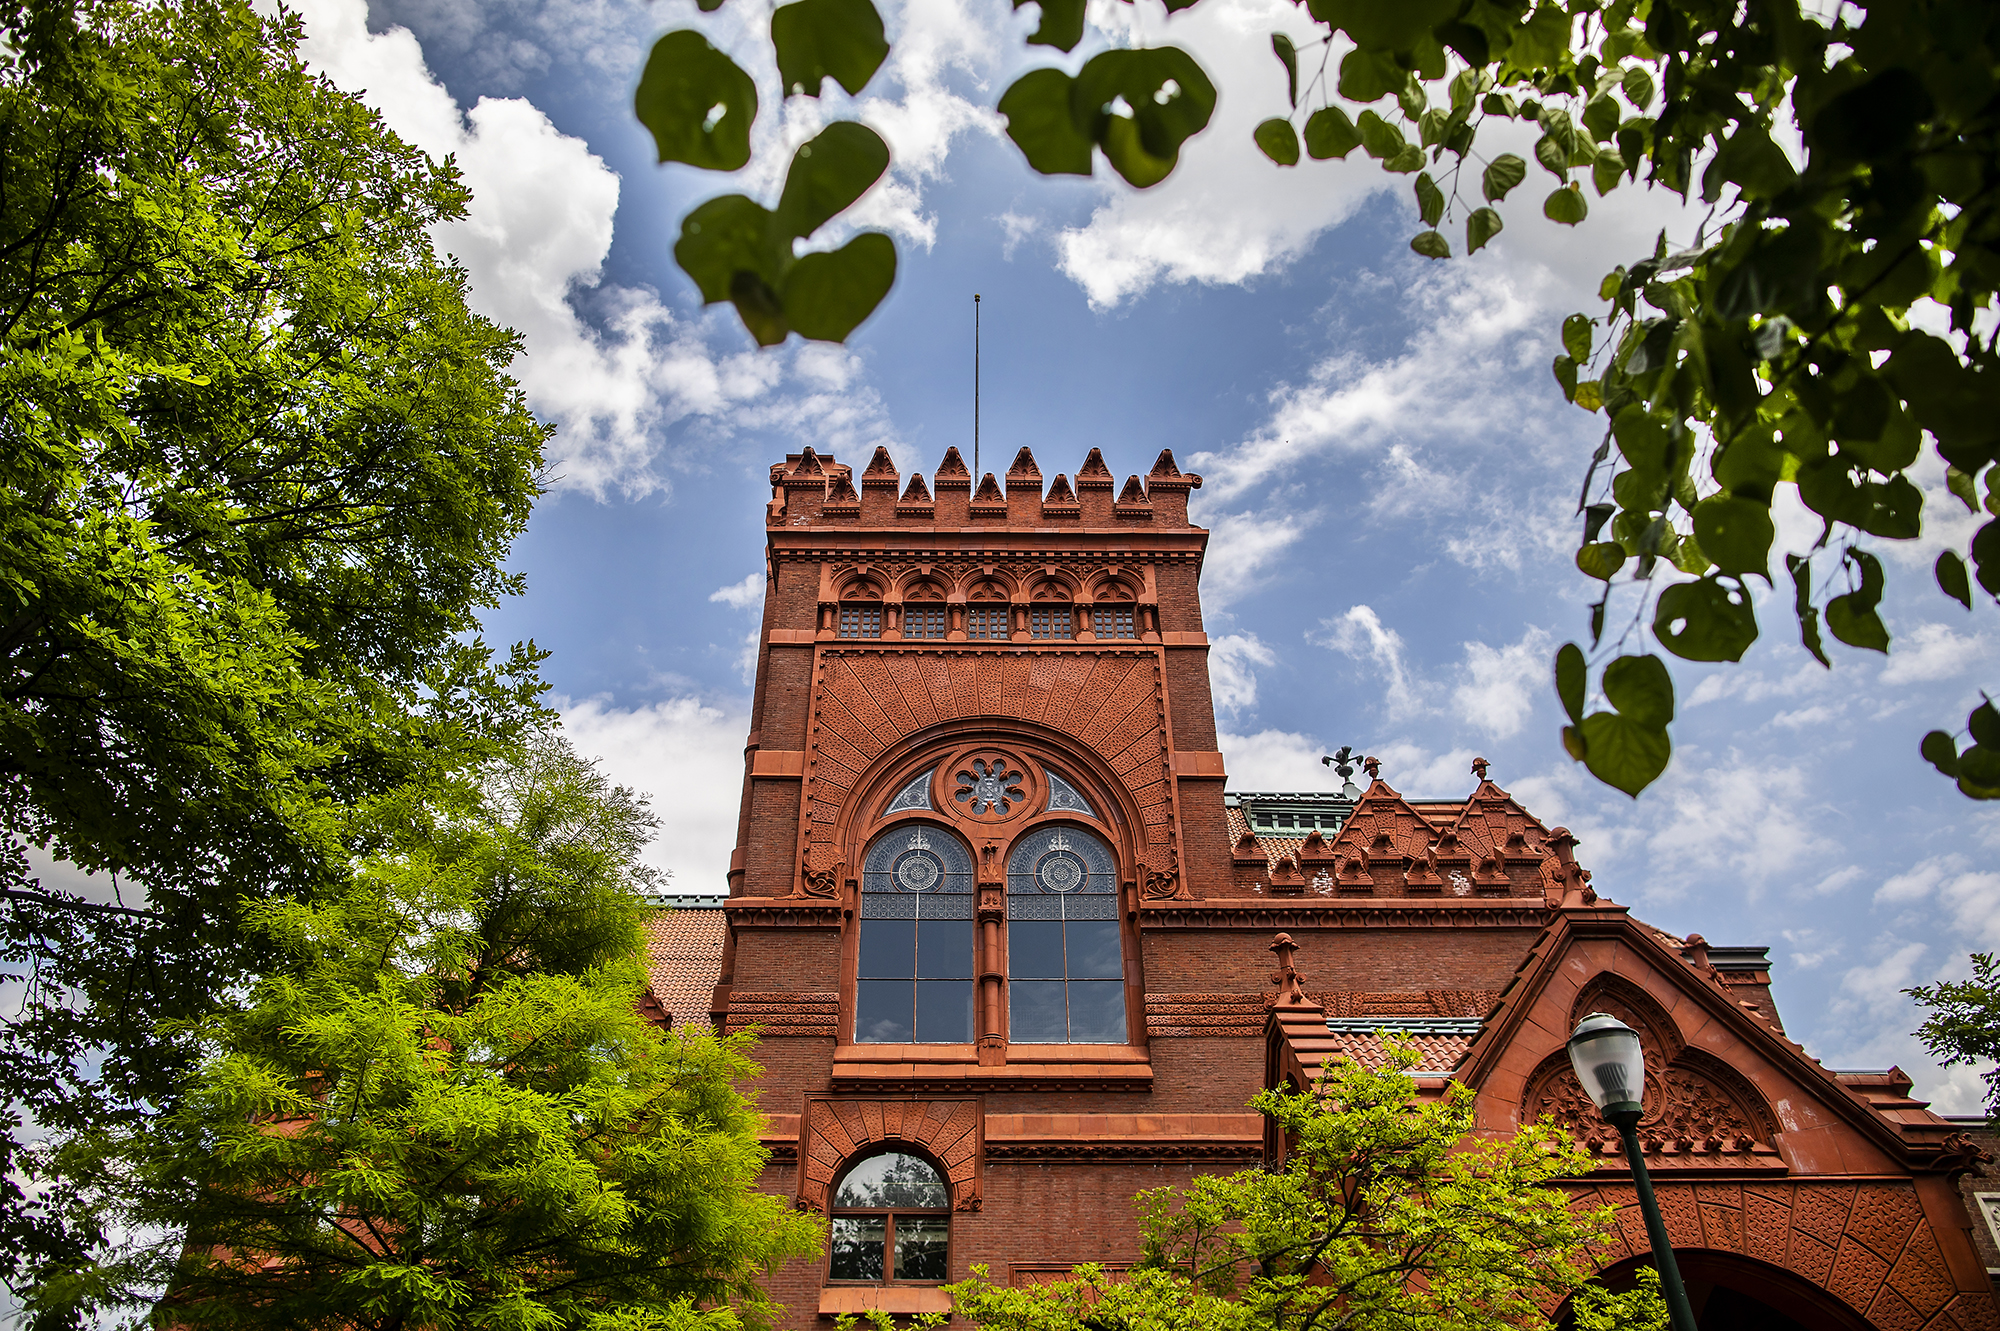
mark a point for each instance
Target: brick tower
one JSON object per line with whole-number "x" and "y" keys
{"x": 1009, "y": 942}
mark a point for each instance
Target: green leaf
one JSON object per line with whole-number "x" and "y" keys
{"x": 1576, "y": 337}
{"x": 1644, "y": 442}
{"x": 1564, "y": 370}
{"x": 1278, "y": 140}
{"x": 1622, "y": 753}
{"x": 1566, "y": 206}
{"x": 1736, "y": 533}
{"x": 1984, "y": 723}
{"x": 1061, "y": 25}
{"x": 697, "y": 103}
{"x": 1940, "y": 752}
{"x": 1703, "y": 621}
{"x": 1043, "y": 125}
{"x": 1553, "y": 155}
{"x": 1960, "y": 484}
{"x": 1638, "y": 86}
{"x": 1406, "y": 159}
{"x": 1601, "y": 560}
{"x": 1329, "y": 133}
{"x": 1430, "y": 200}
{"x": 1852, "y": 618}
{"x": 1801, "y": 571}
{"x": 1431, "y": 245}
{"x": 1952, "y": 577}
{"x": 1607, "y": 171}
{"x": 1482, "y": 226}
{"x": 1641, "y": 688}
{"x": 821, "y": 39}
{"x": 1382, "y": 139}
{"x": 1752, "y": 161}
{"x": 1367, "y": 76}
{"x": 1502, "y": 174}
{"x": 827, "y": 295}
{"x": 726, "y": 236}
{"x": 1986, "y": 555}
{"x": 1281, "y": 46}
{"x": 1170, "y": 97}
{"x": 1543, "y": 40}
{"x": 828, "y": 173}
{"x": 1571, "y": 675}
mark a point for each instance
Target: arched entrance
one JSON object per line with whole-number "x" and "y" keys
{"x": 1731, "y": 1292}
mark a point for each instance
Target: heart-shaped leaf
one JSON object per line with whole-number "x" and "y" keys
{"x": 1061, "y": 26}
{"x": 1278, "y": 141}
{"x": 1641, "y": 688}
{"x": 1952, "y": 577}
{"x": 1170, "y": 99}
{"x": 1736, "y": 533}
{"x": 697, "y": 103}
{"x": 821, "y": 39}
{"x": 1502, "y": 174}
{"x": 1042, "y": 123}
{"x": 828, "y": 173}
{"x": 1622, "y": 753}
{"x": 1852, "y": 618}
{"x": 1329, "y": 133}
{"x": 1430, "y": 199}
{"x": 1482, "y": 226}
{"x": 1576, "y": 336}
{"x": 1566, "y": 206}
{"x": 827, "y": 295}
{"x": 1431, "y": 245}
{"x": 1701, "y": 621}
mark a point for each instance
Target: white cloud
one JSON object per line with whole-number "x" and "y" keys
{"x": 1932, "y": 652}
{"x": 688, "y": 756}
{"x": 534, "y": 242}
{"x": 1921, "y": 881}
{"x": 1360, "y": 634}
{"x": 1241, "y": 549}
{"x": 1500, "y": 684}
{"x": 1232, "y": 675}
{"x": 741, "y": 595}
{"x": 1276, "y": 760}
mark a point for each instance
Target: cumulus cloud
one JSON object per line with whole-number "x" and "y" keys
{"x": 534, "y": 242}
{"x": 1276, "y": 760}
{"x": 1500, "y": 684}
{"x": 1361, "y": 635}
{"x": 1232, "y": 674}
{"x": 1932, "y": 652}
{"x": 1242, "y": 548}
{"x": 741, "y": 595}
{"x": 687, "y": 754}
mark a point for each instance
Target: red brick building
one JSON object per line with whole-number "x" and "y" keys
{"x": 1010, "y": 943}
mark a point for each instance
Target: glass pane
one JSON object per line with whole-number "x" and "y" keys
{"x": 1096, "y": 1012}
{"x": 888, "y": 950}
{"x": 892, "y": 1179}
{"x": 1093, "y": 950}
{"x": 882, "y": 1011}
{"x": 944, "y": 950}
{"x": 920, "y": 1247}
{"x": 944, "y": 1011}
{"x": 1035, "y": 950}
{"x": 856, "y": 1250}
{"x": 1035, "y": 1012}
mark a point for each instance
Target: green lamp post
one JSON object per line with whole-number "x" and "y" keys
{"x": 1612, "y": 1067}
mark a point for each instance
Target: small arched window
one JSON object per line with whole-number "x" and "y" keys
{"x": 891, "y": 1222}
{"x": 913, "y": 973}
{"x": 1065, "y": 959}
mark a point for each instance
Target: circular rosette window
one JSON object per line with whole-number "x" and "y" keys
{"x": 989, "y": 786}
{"x": 1061, "y": 862}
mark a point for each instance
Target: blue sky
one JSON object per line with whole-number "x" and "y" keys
{"x": 1390, "y": 467}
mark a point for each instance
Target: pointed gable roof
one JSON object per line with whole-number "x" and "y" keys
{"x": 916, "y": 492}
{"x": 951, "y": 473}
{"x": 881, "y": 472}
{"x": 1385, "y": 826}
{"x": 1492, "y": 822}
{"x": 1024, "y": 468}
{"x": 989, "y": 491}
{"x": 1134, "y": 494}
{"x": 1093, "y": 474}
{"x": 1059, "y": 495}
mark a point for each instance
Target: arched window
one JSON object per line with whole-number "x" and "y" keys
{"x": 1065, "y": 963}
{"x": 913, "y": 977}
{"x": 891, "y": 1221}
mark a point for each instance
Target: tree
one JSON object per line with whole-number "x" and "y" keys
{"x": 1964, "y": 1022}
{"x": 1384, "y": 1214}
{"x": 1819, "y": 329}
{"x": 259, "y": 468}
{"x": 443, "y": 1109}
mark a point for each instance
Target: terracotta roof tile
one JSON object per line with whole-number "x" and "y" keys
{"x": 684, "y": 961}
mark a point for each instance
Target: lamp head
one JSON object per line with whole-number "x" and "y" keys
{"x": 1611, "y": 1064}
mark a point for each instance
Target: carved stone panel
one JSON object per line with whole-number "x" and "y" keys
{"x": 833, "y": 1132}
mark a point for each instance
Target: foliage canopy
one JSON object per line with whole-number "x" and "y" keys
{"x": 259, "y": 468}
{"x": 1829, "y": 319}
{"x": 442, "y": 1108}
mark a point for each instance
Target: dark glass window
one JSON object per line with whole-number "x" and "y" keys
{"x": 891, "y": 1221}
{"x": 986, "y": 621}
{"x": 1112, "y": 621}
{"x": 861, "y": 621}
{"x": 925, "y": 621}
{"x": 1065, "y": 961}
{"x": 913, "y": 971}
{"x": 1045, "y": 621}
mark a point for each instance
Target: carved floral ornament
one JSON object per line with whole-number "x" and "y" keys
{"x": 930, "y": 581}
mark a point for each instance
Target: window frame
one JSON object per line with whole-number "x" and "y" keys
{"x": 835, "y": 1212}
{"x": 858, "y": 609}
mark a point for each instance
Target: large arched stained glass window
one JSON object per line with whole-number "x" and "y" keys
{"x": 1065, "y": 964}
{"x": 913, "y": 979}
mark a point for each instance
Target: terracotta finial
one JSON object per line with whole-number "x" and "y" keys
{"x": 1479, "y": 766}
{"x": 1291, "y": 988}
{"x": 1372, "y": 766}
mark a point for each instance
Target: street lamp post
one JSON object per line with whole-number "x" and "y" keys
{"x": 1612, "y": 1067}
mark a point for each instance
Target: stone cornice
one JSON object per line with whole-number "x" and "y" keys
{"x": 1381, "y": 913}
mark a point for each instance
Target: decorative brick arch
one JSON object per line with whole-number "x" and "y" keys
{"x": 834, "y": 1132}
{"x": 1867, "y": 1249}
